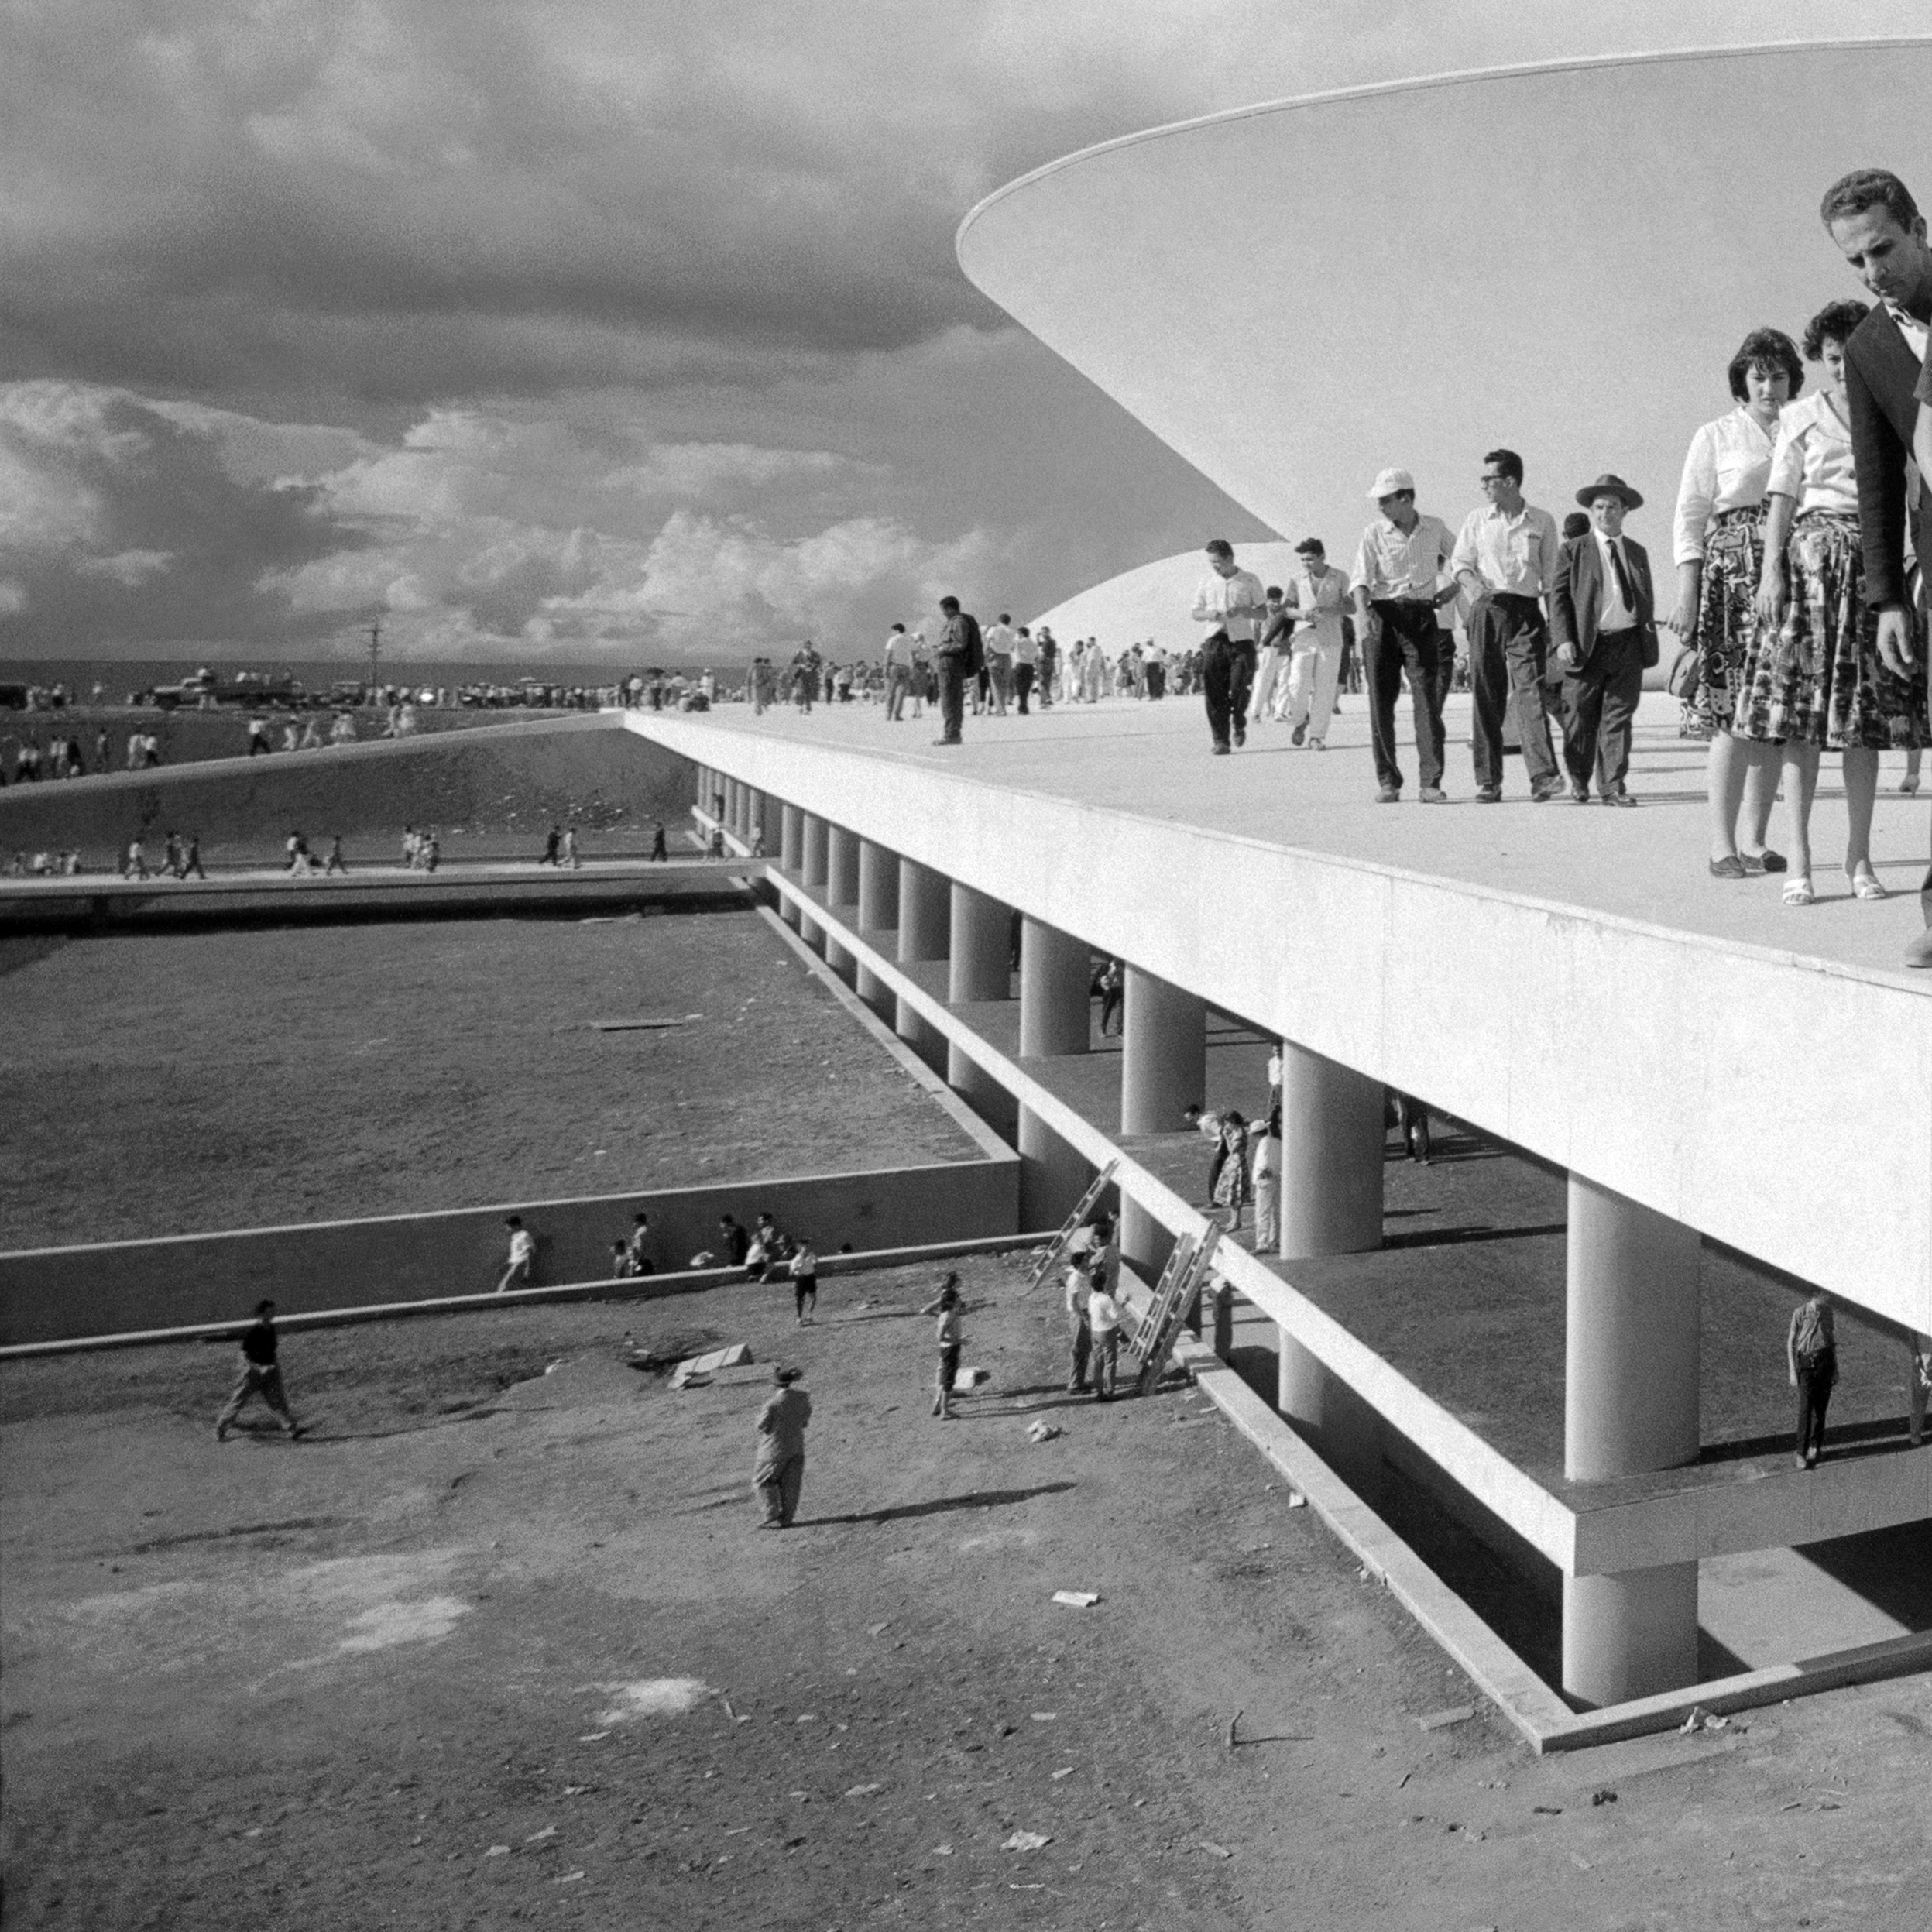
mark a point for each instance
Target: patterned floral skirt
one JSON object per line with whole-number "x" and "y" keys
{"x": 1818, "y": 679}
{"x": 1727, "y": 622}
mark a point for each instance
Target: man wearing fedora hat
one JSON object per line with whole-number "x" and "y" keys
{"x": 1396, "y": 586}
{"x": 1604, "y": 612}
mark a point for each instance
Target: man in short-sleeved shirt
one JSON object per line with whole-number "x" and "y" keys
{"x": 1507, "y": 558}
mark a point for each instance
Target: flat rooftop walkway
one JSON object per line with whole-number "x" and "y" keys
{"x": 1152, "y": 760}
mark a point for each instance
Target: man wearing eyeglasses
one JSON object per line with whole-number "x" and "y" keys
{"x": 1506, "y": 557}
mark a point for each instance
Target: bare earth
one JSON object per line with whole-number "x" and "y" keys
{"x": 236, "y": 1078}
{"x": 321, "y": 1685}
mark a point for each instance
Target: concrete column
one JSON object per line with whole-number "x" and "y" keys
{"x": 926, "y": 926}
{"x": 791, "y": 857}
{"x": 1055, "y": 969}
{"x": 841, "y": 891}
{"x": 1331, "y": 1157}
{"x": 1163, "y": 1067}
{"x": 980, "y": 967}
{"x": 730, "y": 813}
{"x": 878, "y": 912}
{"x": 1324, "y": 1410}
{"x": 981, "y": 951}
{"x": 812, "y": 873}
{"x": 1630, "y": 1381}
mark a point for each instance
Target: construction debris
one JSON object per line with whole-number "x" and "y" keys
{"x": 1044, "y": 1432}
{"x": 695, "y": 1371}
{"x": 1442, "y": 1720}
{"x": 1027, "y": 1842}
{"x": 1077, "y": 1599}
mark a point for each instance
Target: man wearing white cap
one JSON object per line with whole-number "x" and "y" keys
{"x": 1397, "y": 585}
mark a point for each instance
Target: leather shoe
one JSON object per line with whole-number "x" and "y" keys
{"x": 1579, "y": 794}
{"x": 1221, "y": 751}
{"x": 1542, "y": 795}
{"x": 1764, "y": 861}
{"x": 1488, "y": 795}
{"x": 1919, "y": 953}
{"x": 1732, "y": 867}
{"x": 1619, "y": 797}
{"x": 1388, "y": 795}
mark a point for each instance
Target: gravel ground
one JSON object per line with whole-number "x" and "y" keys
{"x": 247, "y": 1078}
{"x": 496, "y": 1647}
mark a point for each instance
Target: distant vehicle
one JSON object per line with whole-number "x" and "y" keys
{"x": 239, "y": 687}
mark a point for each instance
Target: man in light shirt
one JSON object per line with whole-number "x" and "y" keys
{"x": 1229, "y": 601}
{"x": 898, "y": 667}
{"x": 1506, "y": 559}
{"x": 1315, "y": 656}
{"x": 1397, "y": 585}
{"x": 999, "y": 663}
{"x": 1026, "y": 660}
{"x": 1603, "y": 607}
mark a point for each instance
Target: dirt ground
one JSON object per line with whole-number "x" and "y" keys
{"x": 494, "y": 1646}
{"x": 238, "y": 1078}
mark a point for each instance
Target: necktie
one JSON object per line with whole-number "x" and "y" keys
{"x": 1624, "y": 589}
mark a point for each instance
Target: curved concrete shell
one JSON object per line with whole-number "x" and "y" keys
{"x": 1153, "y": 600}
{"x": 1562, "y": 258}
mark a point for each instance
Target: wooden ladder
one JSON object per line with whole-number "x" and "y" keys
{"x": 1056, "y": 1248}
{"x": 1173, "y": 1296}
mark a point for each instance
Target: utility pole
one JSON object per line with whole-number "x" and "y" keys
{"x": 374, "y": 648}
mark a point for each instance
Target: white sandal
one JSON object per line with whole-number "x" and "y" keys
{"x": 1866, "y": 884}
{"x": 1797, "y": 889}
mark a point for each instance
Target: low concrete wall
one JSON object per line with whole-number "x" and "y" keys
{"x": 58, "y": 1293}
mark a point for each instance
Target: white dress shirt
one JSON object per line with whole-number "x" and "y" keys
{"x": 998, "y": 640}
{"x": 1516, "y": 553}
{"x": 1812, "y": 462}
{"x": 1727, "y": 467}
{"x": 1215, "y": 597}
{"x": 1391, "y": 566}
{"x": 1613, "y": 614}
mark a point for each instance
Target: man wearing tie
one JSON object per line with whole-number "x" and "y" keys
{"x": 1604, "y": 612}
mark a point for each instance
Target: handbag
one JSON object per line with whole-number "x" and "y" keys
{"x": 1685, "y": 675}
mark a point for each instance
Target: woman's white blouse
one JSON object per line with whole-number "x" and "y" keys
{"x": 1728, "y": 467}
{"x": 1813, "y": 460}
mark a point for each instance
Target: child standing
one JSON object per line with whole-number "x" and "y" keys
{"x": 949, "y": 1305}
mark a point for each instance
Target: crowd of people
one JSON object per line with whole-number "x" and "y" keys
{"x": 1798, "y": 604}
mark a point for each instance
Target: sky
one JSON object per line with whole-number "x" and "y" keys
{"x": 602, "y": 331}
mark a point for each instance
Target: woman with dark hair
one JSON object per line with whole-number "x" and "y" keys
{"x": 1719, "y": 552}
{"x": 1232, "y": 1187}
{"x": 1813, "y": 678}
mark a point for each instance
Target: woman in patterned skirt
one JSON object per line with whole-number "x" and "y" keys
{"x": 1812, "y": 677}
{"x": 1719, "y": 553}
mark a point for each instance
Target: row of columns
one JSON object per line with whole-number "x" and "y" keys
{"x": 1632, "y": 1302}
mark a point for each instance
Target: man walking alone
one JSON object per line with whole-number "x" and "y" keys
{"x": 778, "y": 1476}
{"x": 1229, "y": 601}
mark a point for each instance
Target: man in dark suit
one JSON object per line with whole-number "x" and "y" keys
{"x": 1879, "y": 231}
{"x": 1604, "y": 612}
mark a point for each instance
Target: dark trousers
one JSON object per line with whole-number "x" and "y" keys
{"x": 1080, "y": 1338}
{"x": 1600, "y": 704}
{"x": 1106, "y": 1362}
{"x": 1022, "y": 684}
{"x": 805, "y": 1293}
{"x": 1508, "y": 648}
{"x": 951, "y": 697}
{"x": 1227, "y": 675}
{"x": 776, "y": 1486}
{"x": 1405, "y": 642}
{"x": 1815, "y": 1377}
